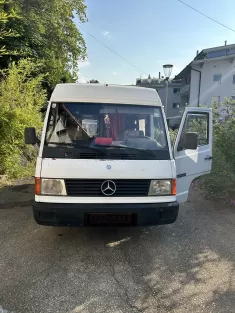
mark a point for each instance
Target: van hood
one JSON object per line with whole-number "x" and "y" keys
{"x": 106, "y": 169}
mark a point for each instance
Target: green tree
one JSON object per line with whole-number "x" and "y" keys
{"x": 46, "y": 30}
{"x": 6, "y": 33}
{"x": 21, "y": 96}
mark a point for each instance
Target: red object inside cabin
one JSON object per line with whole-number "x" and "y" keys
{"x": 103, "y": 141}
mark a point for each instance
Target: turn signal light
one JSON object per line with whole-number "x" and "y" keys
{"x": 173, "y": 187}
{"x": 37, "y": 186}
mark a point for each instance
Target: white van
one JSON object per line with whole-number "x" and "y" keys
{"x": 105, "y": 157}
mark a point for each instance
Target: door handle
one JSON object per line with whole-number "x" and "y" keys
{"x": 208, "y": 158}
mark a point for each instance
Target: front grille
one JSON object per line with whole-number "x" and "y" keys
{"x": 92, "y": 188}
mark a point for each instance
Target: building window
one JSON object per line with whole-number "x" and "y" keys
{"x": 176, "y": 105}
{"x": 233, "y": 79}
{"x": 217, "y": 78}
{"x": 176, "y": 90}
{"x": 215, "y": 99}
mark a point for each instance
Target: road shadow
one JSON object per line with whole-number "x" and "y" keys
{"x": 158, "y": 268}
{"x": 184, "y": 267}
{"x": 16, "y": 196}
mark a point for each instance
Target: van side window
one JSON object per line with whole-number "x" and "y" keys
{"x": 197, "y": 123}
{"x": 51, "y": 122}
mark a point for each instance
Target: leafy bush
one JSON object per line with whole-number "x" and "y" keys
{"x": 220, "y": 183}
{"x": 173, "y": 135}
{"x": 21, "y": 96}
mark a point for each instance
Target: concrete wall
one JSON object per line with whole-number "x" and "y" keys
{"x": 194, "y": 88}
{"x": 172, "y": 98}
{"x": 210, "y": 89}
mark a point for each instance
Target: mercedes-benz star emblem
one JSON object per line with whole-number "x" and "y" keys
{"x": 108, "y": 167}
{"x": 108, "y": 188}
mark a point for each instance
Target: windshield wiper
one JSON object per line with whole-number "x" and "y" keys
{"x": 129, "y": 148}
{"x": 75, "y": 145}
{"x": 99, "y": 147}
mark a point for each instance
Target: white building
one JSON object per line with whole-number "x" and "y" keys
{"x": 171, "y": 94}
{"x": 210, "y": 77}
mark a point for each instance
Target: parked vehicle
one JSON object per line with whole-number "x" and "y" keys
{"x": 105, "y": 157}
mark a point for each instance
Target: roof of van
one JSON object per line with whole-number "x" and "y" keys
{"x": 99, "y": 93}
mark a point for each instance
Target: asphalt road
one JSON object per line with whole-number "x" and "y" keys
{"x": 185, "y": 267}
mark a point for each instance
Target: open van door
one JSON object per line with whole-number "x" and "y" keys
{"x": 193, "y": 149}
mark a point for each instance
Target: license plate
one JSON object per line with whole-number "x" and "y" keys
{"x": 107, "y": 218}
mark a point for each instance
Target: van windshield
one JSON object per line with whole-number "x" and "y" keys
{"x": 106, "y": 126}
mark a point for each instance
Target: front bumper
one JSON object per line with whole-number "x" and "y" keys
{"x": 75, "y": 214}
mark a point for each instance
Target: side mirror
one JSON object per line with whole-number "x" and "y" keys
{"x": 190, "y": 141}
{"x": 30, "y": 137}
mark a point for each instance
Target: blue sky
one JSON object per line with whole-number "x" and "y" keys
{"x": 150, "y": 33}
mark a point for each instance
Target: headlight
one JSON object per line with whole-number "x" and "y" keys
{"x": 53, "y": 187}
{"x": 161, "y": 187}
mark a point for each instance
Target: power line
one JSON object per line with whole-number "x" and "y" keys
{"x": 107, "y": 47}
{"x": 210, "y": 18}
{"x": 96, "y": 25}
